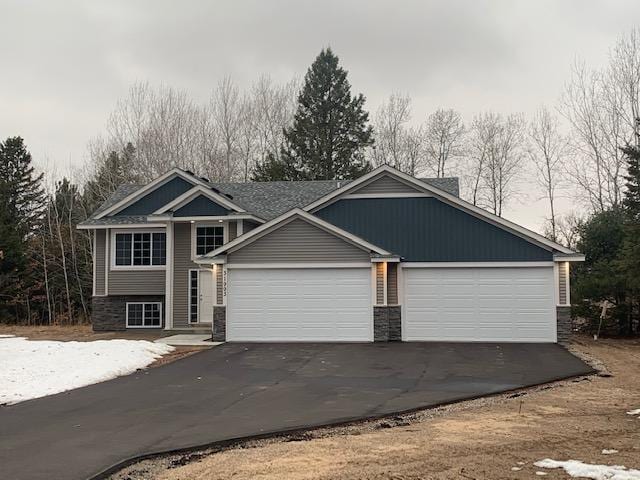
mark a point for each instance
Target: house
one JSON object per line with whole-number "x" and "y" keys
{"x": 384, "y": 257}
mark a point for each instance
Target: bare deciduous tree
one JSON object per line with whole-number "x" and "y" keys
{"x": 547, "y": 149}
{"x": 444, "y": 140}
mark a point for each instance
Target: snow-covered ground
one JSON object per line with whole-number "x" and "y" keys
{"x": 32, "y": 369}
{"x": 577, "y": 469}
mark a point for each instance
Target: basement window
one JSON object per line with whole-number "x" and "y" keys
{"x": 144, "y": 315}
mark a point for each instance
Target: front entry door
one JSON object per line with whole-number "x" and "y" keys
{"x": 206, "y": 293}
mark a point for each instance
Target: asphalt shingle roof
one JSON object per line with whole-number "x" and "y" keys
{"x": 266, "y": 200}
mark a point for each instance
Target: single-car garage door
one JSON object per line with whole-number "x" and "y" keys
{"x": 295, "y": 304}
{"x": 479, "y": 304}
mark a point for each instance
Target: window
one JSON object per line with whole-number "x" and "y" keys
{"x": 144, "y": 315}
{"x": 193, "y": 296}
{"x": 140, "y": 249}
{"x": 208, "y": 239}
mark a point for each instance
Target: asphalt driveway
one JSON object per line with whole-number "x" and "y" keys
{"x": 238, "y": 390}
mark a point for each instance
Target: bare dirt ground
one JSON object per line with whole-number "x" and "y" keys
{"x": 492, "y": 438}
{"x": 84, "y": 333}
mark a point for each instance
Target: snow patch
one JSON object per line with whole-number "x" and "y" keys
{"x": 609, "y": 451}
{"x": 577, "y": 469}
{"x": 634, "y": 412}
{"x": 33, "y": 369}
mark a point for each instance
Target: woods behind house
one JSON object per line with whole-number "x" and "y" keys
{"x": 317, "y": 128}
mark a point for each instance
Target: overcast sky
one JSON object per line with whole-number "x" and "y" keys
{"x": 65, "y": 64}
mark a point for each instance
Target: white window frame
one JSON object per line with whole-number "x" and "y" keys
{"x": 112, "y": 261}
{"x": 143, "y": 312}
{"x": 194, "y": 237}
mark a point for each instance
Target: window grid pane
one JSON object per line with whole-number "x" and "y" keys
{"x": 123, "y": 249}
{"x": 159, "y": 249}
{"x": 142, "y": 249}
{"x": 193, "y": 296}
{"x": 151, "y": 315}
{"x": 208, "y": 239}
{"x": 135, "y": 314}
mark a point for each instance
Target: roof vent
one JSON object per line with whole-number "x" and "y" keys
{"x": 205, "y": 179}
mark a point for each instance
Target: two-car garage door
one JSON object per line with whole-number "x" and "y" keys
{"x": 479, "y": 304}
{"x": 299, "y": 304}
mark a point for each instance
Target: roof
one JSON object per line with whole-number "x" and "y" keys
{"x": 266, "y": 200}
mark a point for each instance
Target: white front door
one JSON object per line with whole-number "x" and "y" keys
{"x": 479, "y": 304}
{"x": 299, "y": 304}
{"x": 207, "y": 296}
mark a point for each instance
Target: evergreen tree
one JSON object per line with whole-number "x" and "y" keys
{"x": 330, "y": 130}
{"x": 21, "y": 210}
{"x": 630, "y": 255}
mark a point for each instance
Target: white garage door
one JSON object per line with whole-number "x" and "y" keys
{"x": 479, "y": 304}
{"x": 324, "y": 304}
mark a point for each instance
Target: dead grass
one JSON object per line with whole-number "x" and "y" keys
{"x": 84, "y": 333}
{"x": 482, "y": 439}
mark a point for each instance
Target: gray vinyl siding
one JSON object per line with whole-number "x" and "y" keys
{"x": 201, "y": 206}
{"x": 100, "y": 253}
{"x": 563, "y": 272}
{"x": 385, "y": 184}
{"x": 157, "y": 198}
{"x": 219, "y": 285}
{"x": 138, "y": 282}
{"x": 426, "y": 229}
{"x": 233, "y": 230}
{"x": 135, "y": 282}
{"x": 380, "y": 283}
{"x": 181, "y": 265}
{"x": 392, "y": 283}
{"x": 298, "y": 241}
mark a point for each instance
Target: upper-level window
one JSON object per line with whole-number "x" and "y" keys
{"x": 140, "y": 249}
{"x": 208, "y": 239}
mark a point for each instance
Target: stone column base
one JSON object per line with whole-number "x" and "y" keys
{"x": 564, "y": 324}
{"x": 387, "y": 324}
{"x": 219, "y": 327}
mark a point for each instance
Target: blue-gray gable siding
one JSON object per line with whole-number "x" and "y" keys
{"x": 155, "y": 199}
{"x": 200, "y": 206}
{"x": 428, "y": 230}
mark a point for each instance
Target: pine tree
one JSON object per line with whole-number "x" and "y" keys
{"x": 21, "y": 211}
{"x": 330, "y": 130}
{"x": 630, "y": 255}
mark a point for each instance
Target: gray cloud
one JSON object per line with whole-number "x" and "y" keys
{"x": 64, "y": 64}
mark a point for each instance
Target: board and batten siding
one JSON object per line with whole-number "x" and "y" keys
{"x": 181, "y": 265}
{"x": 100, "y": 253}
{"x": 385, "y": 184}
{"x": 298, "y": 241}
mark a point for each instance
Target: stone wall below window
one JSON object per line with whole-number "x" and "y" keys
{"x": 109, "y": 313}
{"x": 387, "y": 324}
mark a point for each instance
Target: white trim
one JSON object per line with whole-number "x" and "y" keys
{"x": 385, "y": 259}
{"x": 194, "y": 238}
{"x": 444, "y": 196}
{"x": 158, "y": 182}
{"x": 259, "y": 266}
{"x": 168, "y": 295}
{"x": 374, "y": 285}
{"x": 107, "y": 260}
{"x": 578, "y": 257}
{"x": 95, "y": 253}
{"x": 206, "y": 218}
{"x": 568, "y": 283}
{"x": 143, "y": 310}
{"x": 387, "y": 195}
{"x": 121, "y": 225}
{"x": 225, "y": 282}
{"x": 556, "y": 284}
{"x": 239, "y": 227}
{"x": 112, "y": 262}
{"x": 474, "y": 264}
{"x": 289, "y": 216}
{"x": 190, "y": 195}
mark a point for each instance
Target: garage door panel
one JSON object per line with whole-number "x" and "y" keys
{"x": 299, "y": 305}
{"x": 479, "y": 304}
